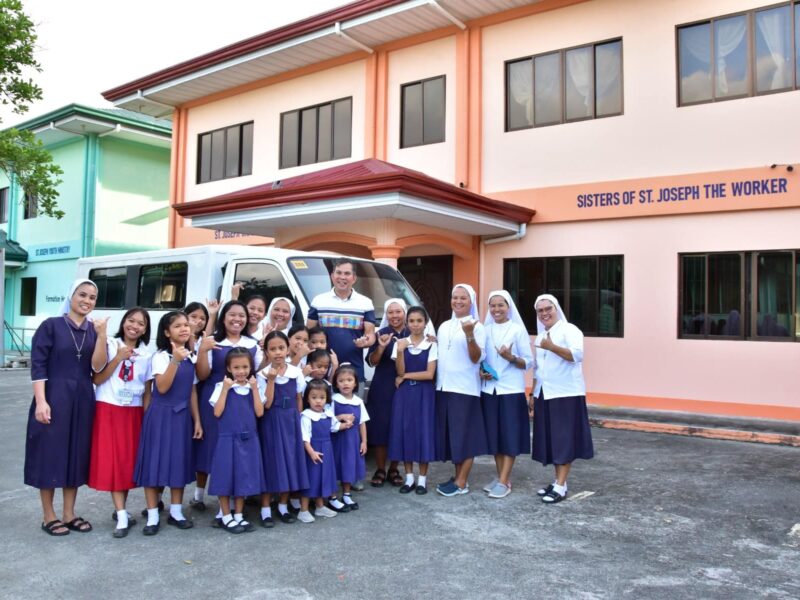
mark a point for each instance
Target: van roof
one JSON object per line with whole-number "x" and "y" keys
{"x": 207, "y": 250}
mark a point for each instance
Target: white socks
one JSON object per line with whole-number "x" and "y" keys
{"x": 227, "y": 519}
{"x": 199, "y": 494}
{"x": 122, "y": 519}
{"x": 336, "y": 503}
{"x": 219, "y": 514}
{"x": 283, "y": 508}
{"x": 347, "y": 499}
{"x": 560, "y": 489}
{"x": 422, "y": 480}
{"x": 238, "y": 516}
{"x": 295, "y": 503}
{"x": 266, "y": 512}
{"x": 410, "y": 479}
{"x": 152, "y": 516}
{"x": 176, "y": 512}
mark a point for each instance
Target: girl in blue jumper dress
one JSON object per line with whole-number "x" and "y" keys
{"x": 349, "y": 446}
{"x": 412, "y": 436}
{"x": 281, "y": 439}
{"x": 171, "y": 421}
{"x": 229, "y": 334}
{"x": 317, "y": 423}
{"x": 236, "y": 470}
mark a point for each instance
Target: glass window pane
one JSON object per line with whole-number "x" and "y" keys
{"x": 247, "y": 149}
{"x": 554, "y": 279}
{"x": 519, "y": 94}
{"x": 308, "y": 136}
{"x": 579, "y": 83}
{"x": 263, "y": 279}
{"x": 232, "y": 152}
{"x": 433, "y": 110}
{"x": 531, "y": 284}
{"x": 608, "y": 79}
{"x": 693, "y": 299}
{"x": 774, "y": 49}
{"x": 342, "y": 128}
{"x": 290, "y": 133}
{"x": 774, "y": 285}
{"x": 162, "y": 286}
{"x": 110, "y": 286}
{"x": 724, "y": 294}
{"x": 205, "y": 158}
{"x": 731, "y": 57}
{"x": 412, "y": 116}
{"x": 217, "y": 155}
{"x": 583, "y": 301}
{"x": 547, "y": 89}
{"x": 324, "y": 148}
{"x": 694, "y": 56}
{"x": 609, "y": 316}
{"x": 797, "y": 293}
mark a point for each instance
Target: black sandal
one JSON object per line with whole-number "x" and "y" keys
{"x": 395, "y": 478}
{"x": 378, "y": 478}
{"x": 553, "y": 497}
{"x": 50, "y": 528}
{"x": 79, "y": 524}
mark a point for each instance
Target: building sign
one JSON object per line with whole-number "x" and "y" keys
{"x": 54, "y": 251}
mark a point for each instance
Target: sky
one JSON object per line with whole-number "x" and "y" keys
{"x": 89, "y": 46}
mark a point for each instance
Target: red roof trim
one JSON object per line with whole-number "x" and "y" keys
{"x": 263, "y": 40}
{"x": 406, "y": 182}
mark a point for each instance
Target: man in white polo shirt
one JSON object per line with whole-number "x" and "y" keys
{"x": 347, "y": 317}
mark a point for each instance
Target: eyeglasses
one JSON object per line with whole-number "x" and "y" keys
{"x": 545, "y": 310}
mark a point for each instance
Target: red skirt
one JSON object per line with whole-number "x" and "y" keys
{"x": 115, "y": 440}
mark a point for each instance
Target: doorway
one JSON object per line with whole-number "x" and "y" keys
{"x": 432, "y": 279}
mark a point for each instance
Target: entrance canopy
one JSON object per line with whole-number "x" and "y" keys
{"x": 358, "y": 191}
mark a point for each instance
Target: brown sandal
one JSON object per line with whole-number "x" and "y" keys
{"x": 395, "y": 478}
{"x": 378, "y": 478}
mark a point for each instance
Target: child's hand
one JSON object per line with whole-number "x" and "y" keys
{"x": 317, "y": 373}
{"x": 213, "y": 306}
{"x": 385, "y": 339}
{"x": 307, "y": 371}
{"x": 398, "y": 380}
{"x": 402, "y": 344}
{"x": 252, "y": 381}
{"x": 431, "y": 338}
{"x": 124, "y": 353}
{"x": 207, "y": 343}
{"x": 198, "y": 431}
{"x": 349, "y": 418}
{"x": 236, "y": 289}
{"x": 266, "y": 328}
{"x": 272, "y": 373}
{"x": 227, "y": 383}
{"x": 179, "y": 353}
{"x": 316, "y": 457}
{"x": 363, "y": 448}
{"x": 345, "y": 425}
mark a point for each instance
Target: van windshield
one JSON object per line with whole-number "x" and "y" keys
{"x": 376, "y": 281}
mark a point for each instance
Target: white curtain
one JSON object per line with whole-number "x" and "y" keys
{"x": 728, "y": 34}
{"x": 521, "y": 86}
{"x": 547, "y": 99}
{"x": 579, "y": 68}
{"x": 607, "y": 70}
{"x": 774, "y": 28}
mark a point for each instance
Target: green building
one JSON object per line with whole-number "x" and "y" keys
{"x": 115, "y": 196}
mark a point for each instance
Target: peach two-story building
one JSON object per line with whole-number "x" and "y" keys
{"x": 634, "y": 158}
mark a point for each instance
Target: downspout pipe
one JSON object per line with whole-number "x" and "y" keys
{"x": 517, "y": 235}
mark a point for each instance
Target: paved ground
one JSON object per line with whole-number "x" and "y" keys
{"x": 652, "y": 516}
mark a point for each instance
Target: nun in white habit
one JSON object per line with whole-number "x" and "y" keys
{"x": 561, "y": 431}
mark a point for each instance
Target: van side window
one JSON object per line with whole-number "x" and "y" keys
{"x": 263, "y": 279}
{"x": 163, "y": 286}
{"x": 110, "y": 286}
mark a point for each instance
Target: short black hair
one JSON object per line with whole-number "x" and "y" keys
{"x": 315, "y": 355}
{"x": 220, "y": 333}
{"x": 346, "y": 368}
{"x": 420, "y": 310}
{"x": 145, "y": 337}
{"x": 162, "y": 341}
{"x": 296, "y": 328}
{"x": 237, "y": 352}
{"x": 316, "y": 330}
{"x": 275, "y": 334}
{"x": 317, "y": 384}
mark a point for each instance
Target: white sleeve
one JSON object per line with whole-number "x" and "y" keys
{"x": 305, "y": 428}
{"x": 259, "y": 356}
{"x": 216, "y": 394}
{"x": 159, "y": 364}
{"x": 394, "y": 351}
{"x": 148, "y": 367}
{"x": 364, "y": 413}
{"x": 523, "y": 347}
{"x": 433, "y": 353}
{"x": 301, "y": 383}
{"x": 479, "y": 333}
{"x": 335, "y": 423}
{"x": 574, "y": 339}
{"x": 261, "y": 383}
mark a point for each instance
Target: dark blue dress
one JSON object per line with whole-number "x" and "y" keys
{"x": 321, "y": 476}
{"x": 350, "y": 464}
{"x": 381, "y": 392}
{"x": 204, "y": 449}
{"x": 282, "y": 448}
{"x": 413, "y": 431}
{"x": 57, "y": 455}
{"x": 237, "y": 469}
{"x": 165, "y": 446}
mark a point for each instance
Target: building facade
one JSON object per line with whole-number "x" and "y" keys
{"x": 114, "y": 194}
{"x": 653, "y": 144}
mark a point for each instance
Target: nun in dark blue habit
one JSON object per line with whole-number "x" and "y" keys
{"x": 64, "y": 352}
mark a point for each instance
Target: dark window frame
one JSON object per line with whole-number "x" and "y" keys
{"x": 748, "y": 294}
{"x": 750, "y": 36}
{"x": 242, "y": 170}
{"x": 563, "y": 84}
{"x": 30, "y": 207}
{"x": 421, "y": 83}
{"x": 565, "y": 300}
{"x": 5, "y": 204}
{"x": 283, "y": 164}
{"x": 27, "y": 297}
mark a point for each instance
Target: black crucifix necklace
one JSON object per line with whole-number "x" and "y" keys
{"x": 74, "y": 341}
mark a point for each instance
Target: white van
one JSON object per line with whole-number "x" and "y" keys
{"x": 165, "y": 280}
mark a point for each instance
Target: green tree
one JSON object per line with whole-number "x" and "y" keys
{"x": 21, "y": 154}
